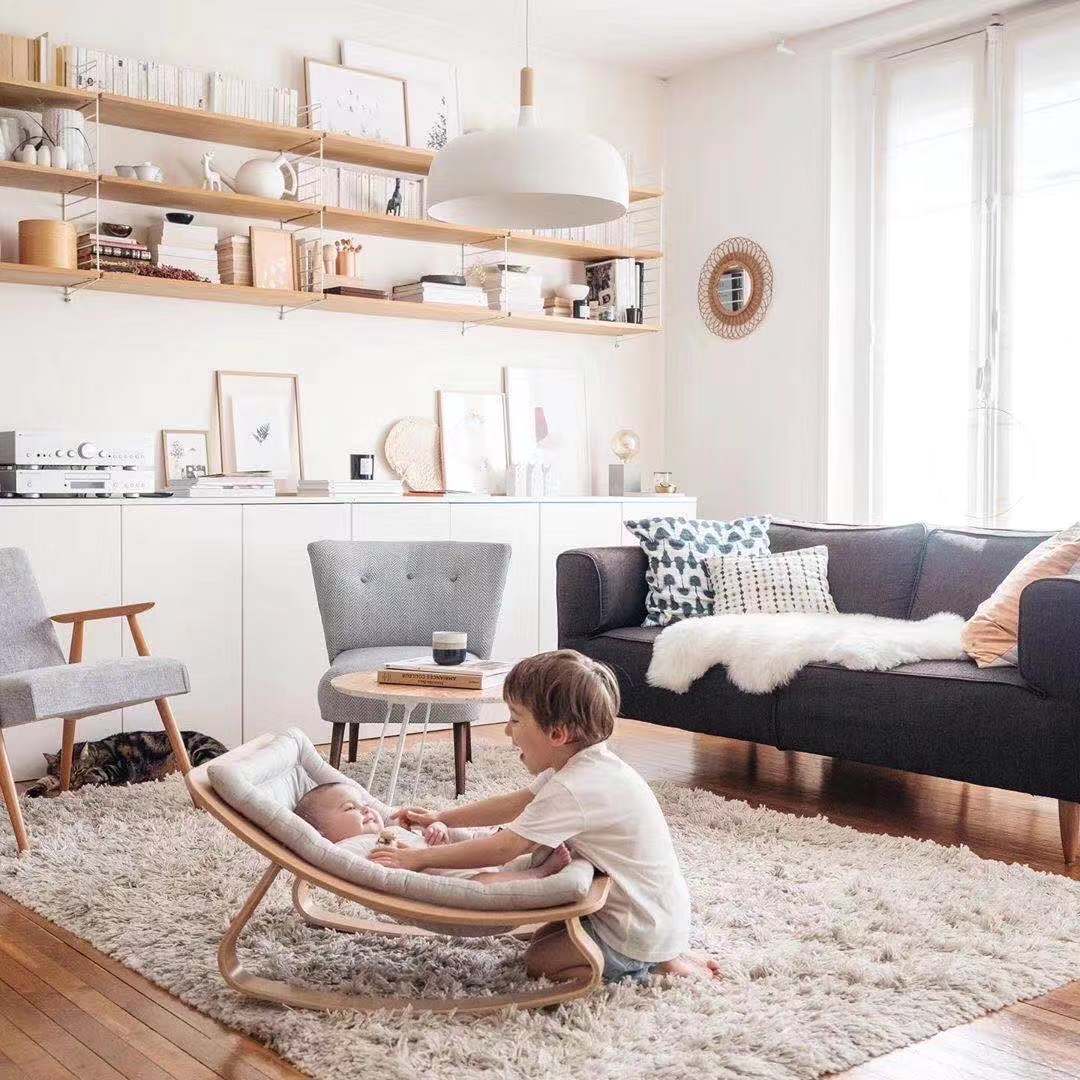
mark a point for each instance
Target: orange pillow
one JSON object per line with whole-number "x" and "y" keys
{"x": 990, "y": 635}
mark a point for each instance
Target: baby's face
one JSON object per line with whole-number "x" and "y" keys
{"x": 343, "y": 815}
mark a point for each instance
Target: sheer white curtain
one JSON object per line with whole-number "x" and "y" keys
{"x": 975, "y": 371}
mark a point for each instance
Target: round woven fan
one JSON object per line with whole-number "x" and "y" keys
{"x": 412, "y": 451}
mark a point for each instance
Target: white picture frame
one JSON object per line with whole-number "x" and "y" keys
{"x": 432, "y": 103}
{"x": 347, "y": 101}
{"x": 185, "y": 453}
{"x": 548, "y": 424}
{"x": 472, "y": 441}
{"x": 259, "y": 424}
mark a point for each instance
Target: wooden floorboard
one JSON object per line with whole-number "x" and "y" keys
{"x": 67, "y": 1010}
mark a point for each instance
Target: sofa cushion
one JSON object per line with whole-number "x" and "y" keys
{"x": 940, "y": 717}
{"x": 962, "y": 567}
{"x": 872, "y": 570}
{"x": 785, "y": 581}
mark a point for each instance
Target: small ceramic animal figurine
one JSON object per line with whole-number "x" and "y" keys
{"x": 394, "y": 205}
{"x": 211, "y": 178}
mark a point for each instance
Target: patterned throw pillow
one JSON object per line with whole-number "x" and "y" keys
{"x": 795, "y": 581}
{"x": 677, "y": 548}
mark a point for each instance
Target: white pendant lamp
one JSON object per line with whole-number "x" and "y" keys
{"x": 527, "y": 177}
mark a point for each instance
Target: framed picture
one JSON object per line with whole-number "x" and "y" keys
{"x": 346, "y": 101}
{"x": 186, "y": 452}
{"x": 472, "y": 441}
{"x": 273, "y": 258}
{"x": 259, "y": 424}
{"x": 431, "y": 90}
{"x": 548, "y": 423}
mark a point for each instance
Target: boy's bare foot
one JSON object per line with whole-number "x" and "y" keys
{"x": 691, "y": 963}
{"x": 558, "y": 860}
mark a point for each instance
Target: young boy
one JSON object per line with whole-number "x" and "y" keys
{"x": 562, "y": 709}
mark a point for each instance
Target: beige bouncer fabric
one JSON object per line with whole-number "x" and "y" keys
{"x": 264, "y": 783}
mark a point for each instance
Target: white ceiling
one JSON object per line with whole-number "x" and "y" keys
{"x": 660, "y": 38}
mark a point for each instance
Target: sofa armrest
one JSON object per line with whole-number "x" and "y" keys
{"x": 1049, "y": 636}
{"x": 599, "y": 589}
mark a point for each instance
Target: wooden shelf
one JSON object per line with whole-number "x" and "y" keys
{"x": 583, "y": 250}
{"x": 200, "y": 124}
{"x": 44, "y": 178}
{"x": 403, "y": 228}
{"x": 133, "y": 284}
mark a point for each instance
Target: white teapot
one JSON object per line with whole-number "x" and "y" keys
{"x": 264, "y": 177}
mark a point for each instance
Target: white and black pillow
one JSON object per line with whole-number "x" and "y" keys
{"x": 787, "y": 581}
{"x": 677, "y": 547}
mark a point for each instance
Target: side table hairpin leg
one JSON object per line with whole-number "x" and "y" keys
{"x": 378, "y": 749}
{"x": 420, "y": 756}
{"x": 406, "y": 716}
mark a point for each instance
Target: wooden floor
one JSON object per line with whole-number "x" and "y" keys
{"x": 67, "y": 1011}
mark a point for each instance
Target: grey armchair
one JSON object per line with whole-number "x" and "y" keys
{"x": 36, "y": 683}
{"x": 382, "y": 601}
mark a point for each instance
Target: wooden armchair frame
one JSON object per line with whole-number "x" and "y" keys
{"x": 523, "y": 923}
{"x": 78, "y": 621}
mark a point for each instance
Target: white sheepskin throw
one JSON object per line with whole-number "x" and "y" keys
{"x": 762, "y": 652}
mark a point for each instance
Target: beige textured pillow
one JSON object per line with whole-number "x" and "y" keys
{"x": 990, "y": 635}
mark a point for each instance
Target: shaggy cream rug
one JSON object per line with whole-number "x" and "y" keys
{"x": 838, "y": 946}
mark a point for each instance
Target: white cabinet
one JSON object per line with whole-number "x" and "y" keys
{"x": 75, "y": 553}
{"x": 284, "y": 648}
{"x": 564, "y": 526}
{"x": 655, "y": 506}
{"x": 188, "y": 560}
{"x": 401, "y": 521}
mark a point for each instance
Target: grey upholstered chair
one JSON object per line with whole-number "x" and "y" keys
{"x": 36, "y": 683}
{"x": 382, "y": 601}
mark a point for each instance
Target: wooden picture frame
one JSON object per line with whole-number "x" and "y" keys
{"x": 233, "y": 386}
{"x": 172, "y": 451}
{"x": 373, "y": 94}
{"x": 273, "y": 259}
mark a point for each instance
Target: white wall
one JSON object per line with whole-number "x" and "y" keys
{"x": 749, "y": 154}
{"x": 125, "y": 363}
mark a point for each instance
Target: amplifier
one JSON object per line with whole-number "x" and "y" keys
{"x": 103, "y": 481}
{"x": 69, "y": 449}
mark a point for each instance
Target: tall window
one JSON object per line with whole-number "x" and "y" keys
{"x": 976, "y": 219}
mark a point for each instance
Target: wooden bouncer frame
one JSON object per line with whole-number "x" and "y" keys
{"x": 523, "y": 923}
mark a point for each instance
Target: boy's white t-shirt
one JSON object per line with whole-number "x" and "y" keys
{"x": 605, "y": 812}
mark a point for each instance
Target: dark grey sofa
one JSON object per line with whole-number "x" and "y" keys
{"x": 1015, "y": 728}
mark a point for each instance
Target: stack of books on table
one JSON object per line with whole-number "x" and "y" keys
{"x": 234, "y": 260}
{"x": 560, "y": 306}
{"x": 186, "y": 247}
{"x": 434, "y": 292}
{"x": 423, "y": 671}
{"x": 329, "y": 489}
{"x": 227, "y": 486}
{"x": 513, "y": 290}
{"x": 110, "y": 252}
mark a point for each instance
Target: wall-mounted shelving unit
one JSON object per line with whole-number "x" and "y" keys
{"x": 133, "y": 113}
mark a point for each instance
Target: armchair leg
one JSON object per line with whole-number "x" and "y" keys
{"x": 168, "y": 721}
{"x": 1069, "y": 820}
{"x": 11, "y": 799}
{"x": 67, "y": 752}
{"x": 337, "y": 735}
{"x": 354, "y": 740}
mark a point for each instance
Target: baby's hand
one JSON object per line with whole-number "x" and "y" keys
{"x": 436, "y": 833}
{"x": 398, "y": 859}
{"x": 407, "y": 816}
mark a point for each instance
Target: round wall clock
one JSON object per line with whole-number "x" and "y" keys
{"x": 735, "y": 287}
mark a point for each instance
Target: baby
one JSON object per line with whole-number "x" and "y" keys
{"x": 339, "y": 813}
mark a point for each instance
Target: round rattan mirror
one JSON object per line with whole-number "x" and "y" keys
{"x": 735, "y": 287}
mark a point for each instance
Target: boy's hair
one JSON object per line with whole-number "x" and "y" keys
{"x": 310, "y": 805}
{"x": 566, "y": 689}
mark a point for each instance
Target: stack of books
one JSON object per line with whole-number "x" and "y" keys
{"x": 234, "y": 260}
{"x": 423, "y": 671}
{"x": 560, "y": 306}
{"x": 329, "y": 489}
{"x": 186, "y": 247}
{"x": 430, "y": 292}
{"x": 615, "y": 289}
{"x": 227, "y": 486}
{"x": 110, "y": 252}
{"x": 513, "y": 290}
{"x": 24, "y": 58}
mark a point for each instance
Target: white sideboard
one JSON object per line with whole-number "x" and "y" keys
{"x": 234, "y": 594}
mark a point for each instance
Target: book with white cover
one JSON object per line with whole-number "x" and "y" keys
{"x": 423, "y": 671}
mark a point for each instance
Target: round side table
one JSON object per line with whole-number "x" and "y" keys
{"x": 365, "y": 684}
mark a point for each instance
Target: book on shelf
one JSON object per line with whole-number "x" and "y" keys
{"x": 614, "y": 289}
{"x": 423, "y": 671}
{"x": 108, "y": 251}
{"x": 227, "y": 485}
{"x": 349, "y": 487}
{"x": 432, "y": 292}
{"x": 200, "y": 254}
{"x": 355, "y": 290}
{"x": 204, "y": 237}
{"x": 24, "y": 58}
{"x": 113, "y": 241}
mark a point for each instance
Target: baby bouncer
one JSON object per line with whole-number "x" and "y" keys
{"x": 252, "y": 791}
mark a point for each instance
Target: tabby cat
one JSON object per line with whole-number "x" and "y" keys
{"x": 129, "y": 757}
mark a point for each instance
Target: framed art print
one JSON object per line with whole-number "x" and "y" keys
{"x": 259, "y": 424}
{"x": 273, "y": 258}
{"x": 472, "y": 441}
{"x": 186, "y": 452}
{"x": 347, "y": 101}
